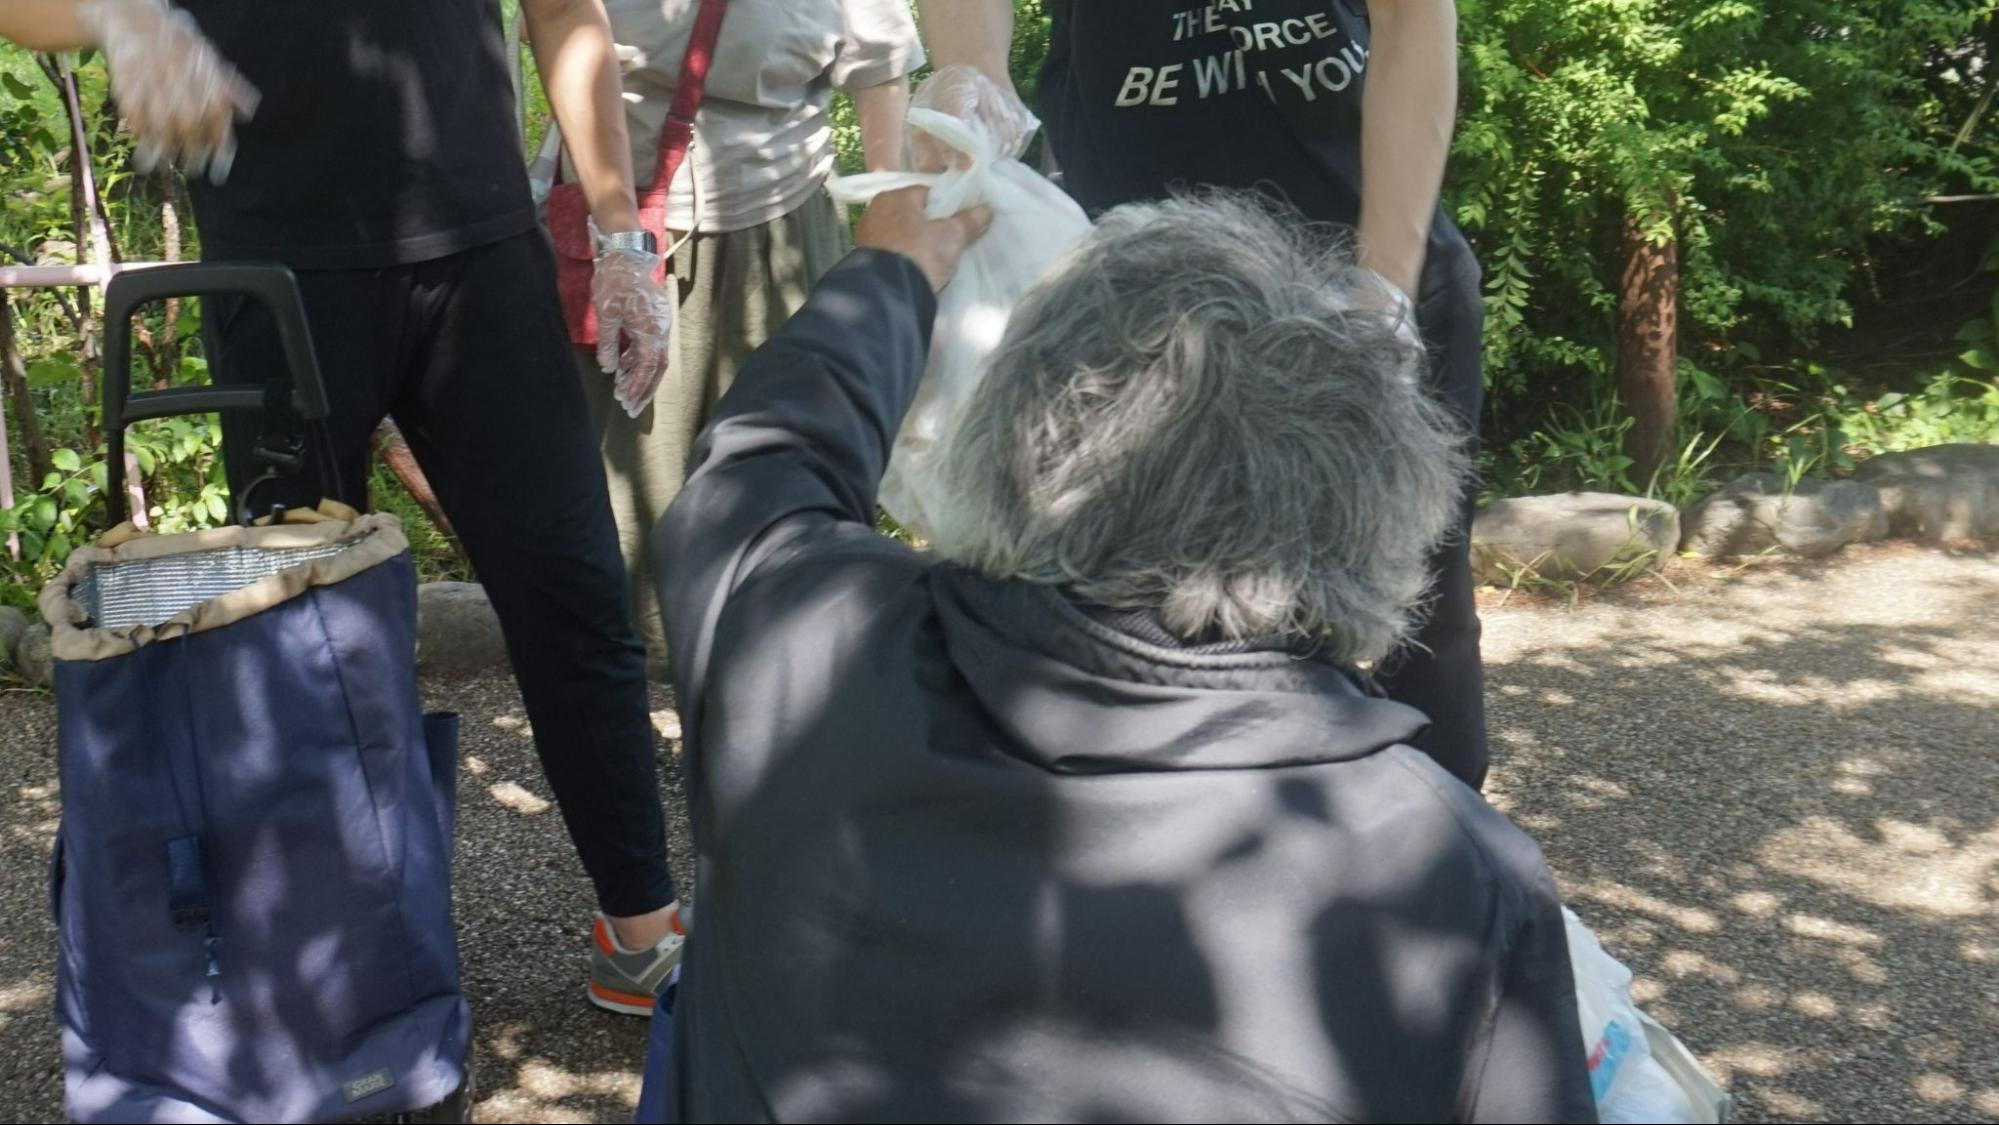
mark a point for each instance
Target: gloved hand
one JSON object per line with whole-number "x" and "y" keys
{"x": 180, "y": 97}
{"x": 897, "y": 221}
{"x": 1375, "y": 292}
{"x": 634, "y": 323}
{"x": 966, "y": 93}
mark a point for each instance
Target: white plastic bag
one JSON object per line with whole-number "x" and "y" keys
{"x": 1638, "y": 1071}
{"x": 1034, "y": 225}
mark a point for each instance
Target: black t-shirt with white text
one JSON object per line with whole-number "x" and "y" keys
{"x": 1142, "y": 98}
{"x": 386, "y": 133}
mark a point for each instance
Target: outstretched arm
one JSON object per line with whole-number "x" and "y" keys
{"x": 181, "y": 99}
{"x": 43, "y": 25}
{"x": 579, "y": 69}
{"x": 879, "y": 49}
{"x": 797, "y": 448}
{"x": 977, "y": 34}
{"x": 1407, "y": 116}
{"x": 880, "y": 111}
{"x": 971, "y": 33}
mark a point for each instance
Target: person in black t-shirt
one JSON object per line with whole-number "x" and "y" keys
{"x": 1296, "y": 98}
{"x": 372, "y": 146}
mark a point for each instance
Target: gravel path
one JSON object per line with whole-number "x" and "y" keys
{"x": 1774, "y": 792}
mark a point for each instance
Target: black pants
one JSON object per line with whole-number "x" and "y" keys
{"x": 469, "y": 355}
{"x": 1440, "y": 673}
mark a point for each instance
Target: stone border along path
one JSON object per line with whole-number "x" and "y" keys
{"x": 1772, "y": 789}
{"x": 1941, "y": 494}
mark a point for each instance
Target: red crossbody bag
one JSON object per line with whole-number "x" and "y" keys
{"x": 569, "y": 214}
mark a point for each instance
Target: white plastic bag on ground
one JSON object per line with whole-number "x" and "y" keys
{"x": 1034, "y": 224}
{"x": 1638, "y": 1071}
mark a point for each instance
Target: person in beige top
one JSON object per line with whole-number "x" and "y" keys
{"x": 752, "y": 226}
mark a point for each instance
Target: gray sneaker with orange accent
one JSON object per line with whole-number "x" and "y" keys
{"x": 627, "y": 981}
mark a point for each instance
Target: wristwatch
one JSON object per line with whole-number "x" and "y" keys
{"x": 640, "y": 241}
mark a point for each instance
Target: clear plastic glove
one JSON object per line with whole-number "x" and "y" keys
{"x": 634, "y": 323}
{"x": 964, "y": 92}
{"x": 180, "y": 97}
{"x": 1379, "y": 294}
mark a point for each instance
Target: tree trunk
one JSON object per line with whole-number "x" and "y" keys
{"x": 86, "y": 324}
{"x": 165, "y": 349}
{"x": 1648, "y": 315}
{"x": 17, "y": 400}
{"x": 21, "y": 403}
{"x": 93, "y": 239}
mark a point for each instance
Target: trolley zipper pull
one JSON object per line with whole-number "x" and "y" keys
{"x": 209, "y": 946}
{"x": 188, "y": 905}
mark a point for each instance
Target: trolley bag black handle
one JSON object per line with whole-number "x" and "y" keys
{"x": 297, "y": 395}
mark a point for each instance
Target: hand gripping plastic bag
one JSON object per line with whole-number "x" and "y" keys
{"x": 1639, "y": 1073}
{"x": 1034, "y": 225}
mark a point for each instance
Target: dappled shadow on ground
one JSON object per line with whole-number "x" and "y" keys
{"x": 541, "y": 1051}
{"x": 1778, "y": 803}
{"x": 1782, "y": 809}
{"x": 30, "y": 1074}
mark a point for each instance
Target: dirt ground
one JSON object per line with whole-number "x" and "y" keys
{"x": 1774, "y": 791}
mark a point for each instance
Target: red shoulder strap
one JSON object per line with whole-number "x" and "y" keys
{"x": 678, "y": 133}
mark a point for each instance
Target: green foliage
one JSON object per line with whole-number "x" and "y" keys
{"x": 177, "y": 460}
{"x": 179, "y": 467}
{"x": 1949, "y": 408}
{"x": 1817, "y": 419}
{"x": 49, "y": 521}
{"x": 1772, "y": 139}
{"x": 1780, "y": 143}
{"x": 1574, "y": 449}
{"x": 1787, "y": 145}
{"x": 437, "y": 557}
{"x": 180, "y": 459}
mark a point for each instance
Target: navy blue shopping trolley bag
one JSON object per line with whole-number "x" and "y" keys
{"x": 251, "y": 882}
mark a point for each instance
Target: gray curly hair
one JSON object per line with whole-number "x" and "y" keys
{"x": 1210, "y": 411}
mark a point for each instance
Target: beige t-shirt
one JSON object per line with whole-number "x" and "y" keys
{"x": 763, "y": 141}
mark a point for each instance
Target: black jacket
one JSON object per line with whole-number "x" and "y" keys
{"x": 967, "y": 852}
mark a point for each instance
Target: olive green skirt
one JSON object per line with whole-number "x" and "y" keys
{"x": 736, "y": 289}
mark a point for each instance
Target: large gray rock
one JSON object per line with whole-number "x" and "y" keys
{"x": 456, "y": 629}
{"x": 1571, "y": 535}
{"x": 33, "y": 661}
{"x": 1762, "y": 511}
{"x": 13, "y": 626}
{"x": 1943, "y": 492}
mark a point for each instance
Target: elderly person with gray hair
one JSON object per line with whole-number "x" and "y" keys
{"x": 1091, "y": 813}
